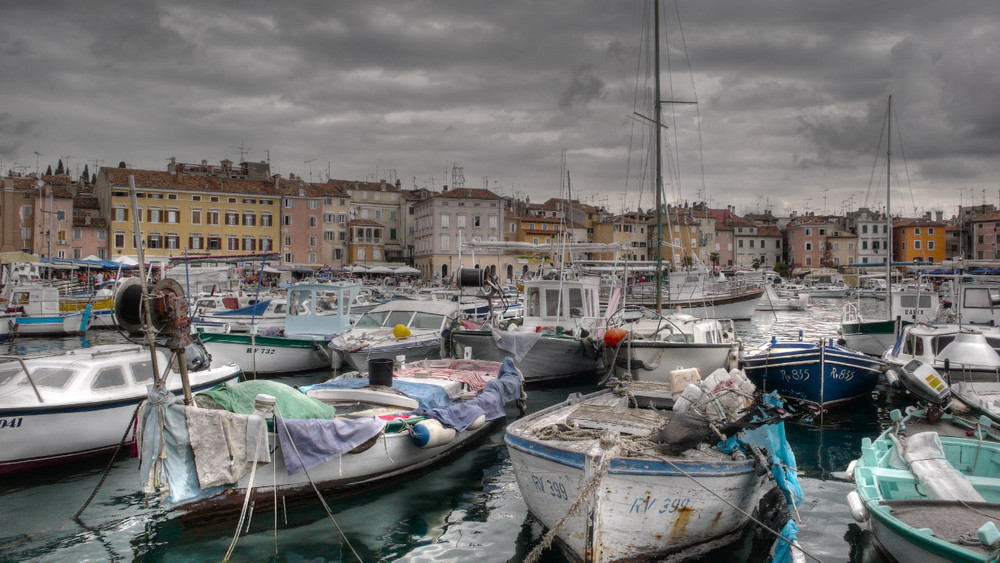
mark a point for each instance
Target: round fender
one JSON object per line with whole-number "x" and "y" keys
{"x": 858, "y": 509}
{"x": 430, "y": 433}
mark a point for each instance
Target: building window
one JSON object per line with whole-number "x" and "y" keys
{"x": 155, "y": 241}
{"x": 460, "y": 221}
{"x": 809, "y": 232}
{"x": 809, "y": 246}
{"x": 232, "y": 243}
{"x": 312, "y": 241}
{"x": 196, "y": 216}
{"x": 493, "y": 221}
{"x": 930, "y": 230}
{"x": 214, "y": 242}
{"x": 77, "y": 234}
{"x": 120, "y": 214}
{"x": 288, "y": 257}
{"x": 173, "y": 215}
{"x": 249, "y": 244}
{"x": 916, "y": 230}
{"x": 249, "y": 219}
{"x": 445, "y": 241}
{"x": 213, "y": 217}
{"x": 153, "y": 215}
{"x": 930, "y": 245}
{"x": 476, "y": 220}
{"x": 173, "y": 241}
{"x": 232, "y": 218}
{"x": 286, "y": 220}
{"x": 362, "y": 254}
{"x": 444, "y": 221}
{"x": 312, "y": 221}
{"x": 313, "y": 204}
{"x": 265, "y": 219}
{"x": 119, "y": 239}
{"x": 195, "y": 242}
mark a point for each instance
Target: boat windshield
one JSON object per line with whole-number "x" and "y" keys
{"x": 399, "y": 318}
{"x": 427, "y": 321}
{"x": 371, "y": 320}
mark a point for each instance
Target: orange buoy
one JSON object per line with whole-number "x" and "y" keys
{"x": 614, "y": 336}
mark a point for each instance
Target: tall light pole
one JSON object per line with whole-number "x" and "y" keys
{"x": 309, "y": 162}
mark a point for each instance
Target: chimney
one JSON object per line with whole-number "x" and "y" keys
{"x": 382, "y": 185}
{"x": 444, "y": 188}
{"x": 178, "y": 172}
{"x": 399, "y": 185}
{"x": 939, "y": 216}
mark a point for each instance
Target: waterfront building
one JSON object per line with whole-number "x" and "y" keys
{"x": 919, "y": 240}
{"x": 445, "y": 221}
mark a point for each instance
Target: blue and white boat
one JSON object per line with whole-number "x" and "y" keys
{"x": 820, "y": 372}
{"x": 40, "y": 313}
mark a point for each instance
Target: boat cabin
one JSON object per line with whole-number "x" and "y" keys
{"x": 554, "y": 302}
{"x": 34, "y": 301}
{"x": 320, "y": 308}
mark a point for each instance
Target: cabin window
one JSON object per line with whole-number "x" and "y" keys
{"x": 142, "y": 371}
{"x": 534, "y": 309}
{"x": 576, "y": 302}
{"x": 427, "y": 321}
{"x": 50, "y": 377}
{"x": 299, "y": 302}
{"x": 552, "y": 303}
{"x": 977, "y": 298}
{"x": 108, "y": 378}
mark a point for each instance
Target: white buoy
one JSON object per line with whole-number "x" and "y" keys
{"x": 431, "y": 433}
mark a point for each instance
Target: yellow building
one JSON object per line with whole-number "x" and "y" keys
{"x": 919, "y": 240}
{"x": 204, "y": 210}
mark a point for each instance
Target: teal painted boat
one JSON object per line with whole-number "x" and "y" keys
{"x": 927, "y": 496}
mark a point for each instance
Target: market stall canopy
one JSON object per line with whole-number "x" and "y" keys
{"x": 96, "y": 264}
{"x": 356, "y": 269}
{"x": 19, "y": 256}
{"x": 406, "y": 270}
{"x": 127, "y": 260}
{"x": 379, "y": 270}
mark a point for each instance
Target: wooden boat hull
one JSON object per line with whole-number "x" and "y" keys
{"x": 642, "y": 506}
{"x": 268, "y": 355}
{"x": 654, "y": 360}
{"x": 551, "y": 358}
{"x": 821, "y": 373}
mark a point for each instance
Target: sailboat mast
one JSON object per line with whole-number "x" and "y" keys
{"x": 888, "y": 209}
{"x": 659, "y": 164}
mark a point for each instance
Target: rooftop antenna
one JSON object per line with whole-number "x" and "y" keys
{"x": 309, "y": 162}
{"x": 244, "y": 150}
{"x": 37, "y": 154}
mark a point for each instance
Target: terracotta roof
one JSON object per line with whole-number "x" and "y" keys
{"x": 95, "y": 222}
{"x": 470, "y": 193}
{"x": 918, "y": 222}
{"x": 541, "y": 220}
{"x": 86, "y": 202}
{"x": 118, "y": 177}
{"x": 990, "y": 216}
{"x": 768, "y": 231}
{"x": 408, "y": 195}
{"x": 330, "y": 190}
{"x": 367, "y": 186}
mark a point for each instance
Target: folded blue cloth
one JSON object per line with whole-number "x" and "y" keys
{"x": 317, "y": 441}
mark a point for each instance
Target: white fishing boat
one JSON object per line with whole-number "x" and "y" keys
{"x": 973, "y": 360}
{"x": 353, "y": 437}
{"x": 929, "y": 492}
{"x": 302, "y": 344}
{"x": 556, "y": 338}
{"x": 613, "y": 476}
{"x": 40, "y": 314}
{"x": 704, "y": 294}
{"x": 654, "y": 348}
{"x": 401, "y": 327}
{"x": 771, "y": 301}
{"x": 58, "y": 408}
{"x": 221, "y": 314}
{"x": 825, "y": 285}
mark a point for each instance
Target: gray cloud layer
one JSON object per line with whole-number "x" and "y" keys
{"x": 791, "y": 93}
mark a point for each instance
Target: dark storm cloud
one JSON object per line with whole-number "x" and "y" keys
{"x": 791, "y": 93}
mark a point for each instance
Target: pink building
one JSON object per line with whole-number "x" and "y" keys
{"x": 447, "y": 220}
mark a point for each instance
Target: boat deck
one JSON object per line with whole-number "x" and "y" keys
{"x": 579, "y": 427}
{"x": 952, "y": 521}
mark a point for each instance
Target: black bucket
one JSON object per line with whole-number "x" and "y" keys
{"x": 380, "y": 371}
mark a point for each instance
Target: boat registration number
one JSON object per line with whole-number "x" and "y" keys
{"x": 11, "y": 422}
{"x": 646, "y": 504}
{"x": 795, "y": 374}
{"x": 262, "y": 351}
{"x": 552, "y": 488}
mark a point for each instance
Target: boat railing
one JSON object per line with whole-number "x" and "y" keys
{"x": 27, "y": 373}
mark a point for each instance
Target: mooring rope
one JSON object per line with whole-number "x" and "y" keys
{"x": 107, "y": 470}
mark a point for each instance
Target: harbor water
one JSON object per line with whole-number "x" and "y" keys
{"x": 468, "y": 508}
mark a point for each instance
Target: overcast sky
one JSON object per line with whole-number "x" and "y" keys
{"x": 791, "y": 94}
